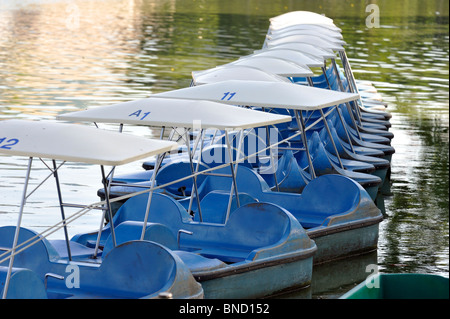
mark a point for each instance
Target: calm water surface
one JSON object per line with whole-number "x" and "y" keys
{"x": 61, "y": 56}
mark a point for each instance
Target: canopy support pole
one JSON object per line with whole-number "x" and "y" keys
{"x": 194, "y": 184}
{"x": 341, "y": 87}
{"x": 233, "y": 172}
{"x": 328, "y": 129}
{"x": 324, "y": 71}
{"x": 331, "y": 138}
{"x": 301, "y": 126}
{"x": 272, "y": 160}
{"x": 339, "y": 112}
{"x": 107, "y": 188}
{"x": 150, "y": 195}
{"x": 159, "y": 160}
{"x": 108, "y": 206}
{"x": 63, "y": 215}
{"x": 341, "y": 118}
{"x": 16, "y": 233}
{"x": 351, "y": 79}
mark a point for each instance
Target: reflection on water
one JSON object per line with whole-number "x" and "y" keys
{"x": 58, "y": 56}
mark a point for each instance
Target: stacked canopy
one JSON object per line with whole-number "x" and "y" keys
{"x": 293, "y": 56}
{"x": 320, "y": 53}
{"x": 302, "y": 17}
{"x": 234, "y": 72}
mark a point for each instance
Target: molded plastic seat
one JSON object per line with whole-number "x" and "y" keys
{"x": 254, "y": 231}
{"x": 76, "y": 249}
{"x": 214, "y": 206}
{"x": 163, "y": 210}
{"x": 132, "y": 230}
{"x": 23, "y": 284}
{"x": 176, "y": 170}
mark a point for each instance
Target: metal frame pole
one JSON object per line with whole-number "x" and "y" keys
{"x": 16, "y": 233}
{"x": 301, "y": 125}
{"x": 338, "y": 111}
{"x": 63, "y": 215}
{"x": 194, "y": 184}
{"x": 108, "y": 205}
{"x": 233, "y": 172}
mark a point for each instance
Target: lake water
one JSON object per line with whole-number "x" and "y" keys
{"x": 61, "y": 56}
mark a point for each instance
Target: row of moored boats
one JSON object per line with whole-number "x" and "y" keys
{"x": 263, "y": 169}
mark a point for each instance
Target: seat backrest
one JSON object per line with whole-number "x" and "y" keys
{"x": 163, "y": 209}
{"x": 125, "y": 270}
{"x": 248, "y": 181}
{"x": 218, "y": 154}
{"x": 250, "y": 227}
{"x": 257, "y": 225}
{"x": 176, "y": 170}
{"x": 330, "y": 194}
{"x": 23, "y": 284}
{"x": 215, "y": 204}
{"x": 36, "y": 257}
{"x": 132, "y": 230}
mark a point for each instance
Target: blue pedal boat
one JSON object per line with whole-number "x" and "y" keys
{"x": 259, "y": 238}
{"x": 260, "y": 251}
{"x": 34, "y": 266}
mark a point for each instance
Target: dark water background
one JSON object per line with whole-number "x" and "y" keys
{"x": 61, "y": 56}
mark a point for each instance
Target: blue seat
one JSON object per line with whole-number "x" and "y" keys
{"x": 132, "y": 230}
{"x": 23, "y": 284}
{"x": 134, "y": 269}
{"x": 163, "y": 210}
{"x": 77, "y": 251}
{"x": 254, "y": 231}
{"x": 215, "y": 204}
{"x": 176, "y": 170}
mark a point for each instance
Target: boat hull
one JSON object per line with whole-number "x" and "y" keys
{"x": 345, "y": 241}
{"x": 261, "y": 281}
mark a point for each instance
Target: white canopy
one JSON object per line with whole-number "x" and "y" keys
{"x": 274, "y": 65}
{"x": 293, "y": 56}
{"x": 301, "y": 17}
{"x": 324, "y": 32}
{"x": 263, "y": 94}
{"x": 186, "y": 113}
{"x": 306, "y": 48}
{"x": 275, "y": 28}
{"x": 302, "y": 30}
{"x": 234, "y": 72}
{"x": 75, "y": 143}
{"x": 301, "y": 38}
{"x": 309, "y": 39}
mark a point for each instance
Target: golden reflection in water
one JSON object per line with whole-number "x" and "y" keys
{"x": 50, "y": 52}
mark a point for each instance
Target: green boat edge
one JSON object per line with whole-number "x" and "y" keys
{"x": 401, "y": 286}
